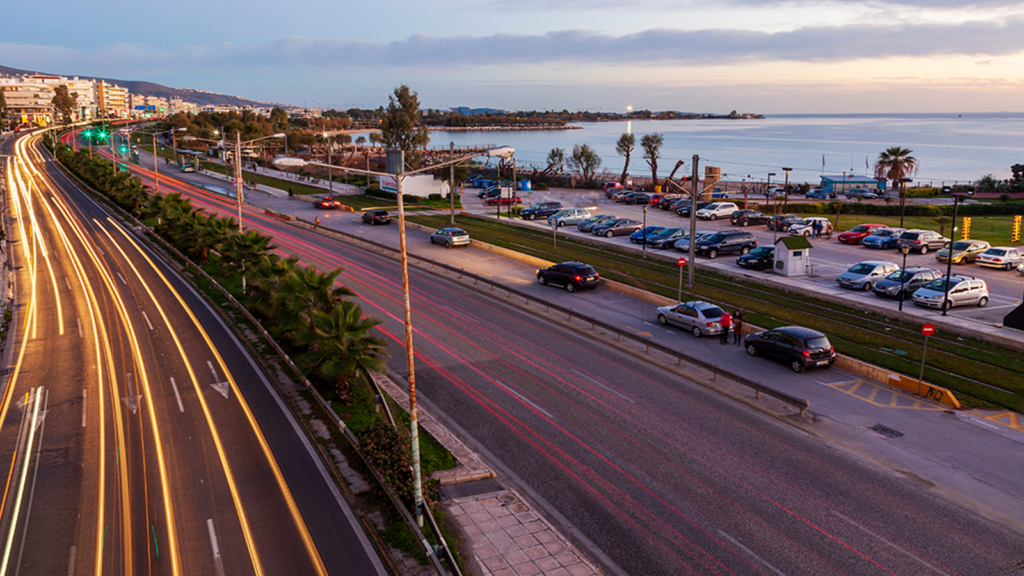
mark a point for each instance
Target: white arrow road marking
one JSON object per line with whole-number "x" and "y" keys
{"x": 131, "y": 400}
{"x": 223, "y": 387}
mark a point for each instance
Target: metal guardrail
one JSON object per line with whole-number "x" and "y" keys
{"x": 800, "y": 403}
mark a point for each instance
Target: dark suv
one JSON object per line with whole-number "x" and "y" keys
{"x": 782, "y": 221}
{"x": 801, "y": 348}
{"x": 922, "y": 240}
{"x": 375, "y": 217}
{"x": 725, "y": 242}
{"x": 684, "y": 209}
{"x": 572, "y": 275}
{"x": 540, "y": 210}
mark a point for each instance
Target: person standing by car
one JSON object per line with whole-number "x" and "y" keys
{"x": 737, "y": 327}
{"x": 725, "y": 321}
{"x": 817, "y": 229}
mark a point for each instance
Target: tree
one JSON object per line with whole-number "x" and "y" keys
{"x": 278, "y": 118}
{"x": 652, "y": 143}
{"x": 555, "y": 160}
{"x": 942, "y": 221}
{"x": 586, "y": 160}
{"x": 625, "y": 146}
{"x": 339, "y": 346}
{"x": 3, "y": 111}
{"x": 400, "y": 128}
{"x": 64, "y": 103}
{"x": 895, "y": 164}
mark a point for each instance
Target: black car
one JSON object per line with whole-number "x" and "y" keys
{"x": 782, "y": 221}
{"x": 908, "y": 280}
{"x": 801, "y": 348}
{"x": 724, "y": 243}
{"x": 761, "y": 258}
{"x": 540, "y": 210}
{"x": 571, "y": 275}
{"x": 637, "y": 198}
{"x": 492, "y": 192}
{"x": 667, "y": 200}
{"x": 672, "y": 204}
{"x": 588, "y": 224}
{"x": 684, "y": 209}
{"x": 665, "y": 239}
{"x": 748, "y": 217}
{"x": 375, "y": 217}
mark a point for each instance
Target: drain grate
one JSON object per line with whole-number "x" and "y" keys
{"x": 886, "y": 431}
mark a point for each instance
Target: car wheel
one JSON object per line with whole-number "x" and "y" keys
{"x": 745, "y": 250}
{"x": 1008, "y": 267}
{"x": 807, "y": 233}
{"x": 541, "y": 280}
{"x": 797, "y": 366}
{"x": 560, "y": 224}
{"x": 867, "y": 287}
{"x": 609, "y": 234}
{"x": 696, "y": 332}
{"x": 432, "y": 240}
{"x": 751, "y": 349}
{"x": 533, "y": 216}
{"x": 714, "y": 216}
{"x": 924, "y": 249}
{"x": 448, "y": 244}
{"x": 983, "y": 302}
{"x": 570, "y": 287}
{"x": 662, "y": 320}
{"x": 712, "y": 253}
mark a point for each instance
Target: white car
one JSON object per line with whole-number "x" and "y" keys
{"x": 717, "y": 210}
{"x": 1001, "y": 257}
{"x": 863, "y": 275}
{"x": 568, "y": 216}
{"x": 805, "y": 227}
{"x": 963, "y": 291}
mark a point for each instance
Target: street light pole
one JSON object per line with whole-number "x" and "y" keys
{"x": 238, "y": 181}
{"x": 903, "y": 274}
{"x": 643, "y": 231}
{"x": 692, "y": 263}
{"x": 903, "y": 199}
{"x": 451, "y": 183}
{"x": 949, "y": 262}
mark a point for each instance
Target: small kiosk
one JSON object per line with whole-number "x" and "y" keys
{"x": 792, "y": 255}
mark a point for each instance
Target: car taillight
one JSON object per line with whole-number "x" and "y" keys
{"x": 711, "y": 324}
{"x": 997, "y": 259}
{"x": 578, "y": 278}
{"x": 806, "y": 354}
{"x": 831, "y": 349}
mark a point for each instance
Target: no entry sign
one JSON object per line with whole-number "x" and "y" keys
{"x": 928, "y": 329}
{"x": 681, "y": 261}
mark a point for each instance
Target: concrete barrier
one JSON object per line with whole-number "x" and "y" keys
{"x": 905, "y": 383}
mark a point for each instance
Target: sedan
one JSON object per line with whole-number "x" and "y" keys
{"x": 760, "y": 258}
{"x": 666, "y": 238}
{"x": 863, "y": 275}
{"x": 698, "y": 317}
{"x": 620, "y": 227}
{"x": 328, "y": 203}
{"x": 748, "y": 217}
{"x": 963, "y": 251}
{"x": 1001, "y": 257}
{"x": 817, "y": 193}
{"x": 589, "y": 224}
{"x": 883, "y": 238}
{"x": 857, "y": 233}
{"x": 799, "y": 347}
{"x": 449, "y": 237}
{"x": 637, "y": 198}
{"x": 503, "y": 200}
{"x": 639, "y": 236}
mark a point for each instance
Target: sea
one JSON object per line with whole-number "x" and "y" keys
{"x": 949, "y": 148}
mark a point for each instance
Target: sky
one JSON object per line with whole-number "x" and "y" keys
{"x": 763, "y": 56}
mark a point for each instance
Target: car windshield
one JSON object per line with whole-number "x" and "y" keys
{"x": 458, "y": 232}
{"x": 961, "y": 245}
{"x": 996, "y": 252}
{"x": 651, "y": 229}
{"x": 667, "y": 232}
{"x": 909, "y": 236}
{"x": 715, "y": 238}
{"x": 862, "y": 269}
{"x": 712, "y": 312}
{"x": 860, "y": 228}
{"x": 818, "y": 342}
{"x": 939, "y": 285}
{"x": 899, "y": 276}
{"x": 883, "y": 233}
{"x": 586, "y": 271}
{"x": 762, "y": 251}
{"x": 559, "y": 213}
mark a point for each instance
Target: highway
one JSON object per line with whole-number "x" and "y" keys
{"x": 651, "y": 473}
{"x": 140, "y": 437}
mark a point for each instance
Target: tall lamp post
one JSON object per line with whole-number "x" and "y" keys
{"x": 903, "y": 198}
{"x": 643, "y": 231}
{"x": 949, "y": 260}
{"x": 903, "y": 274}
{"x": 396, "y": 165}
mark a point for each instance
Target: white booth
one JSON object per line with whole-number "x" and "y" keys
{"x": 792, "y": 255}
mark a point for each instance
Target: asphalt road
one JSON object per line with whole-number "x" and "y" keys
{"x": 163, "y": 450}
{"x": 650, "y": 472}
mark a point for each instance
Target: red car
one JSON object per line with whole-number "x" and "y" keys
{"x": 655, "y": 198}
{"x": 857, "y": 233}
{"x": 328, "y": 203}
{"x": 503, "y": 200}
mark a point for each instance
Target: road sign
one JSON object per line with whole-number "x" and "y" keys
{"x": 681, "y": 261}
{"x": 928, "y": 329}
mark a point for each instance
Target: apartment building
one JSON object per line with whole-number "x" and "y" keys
{"x": 111, "y": 100}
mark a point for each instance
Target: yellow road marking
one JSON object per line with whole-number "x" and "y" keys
{"x": 873, "y": 389}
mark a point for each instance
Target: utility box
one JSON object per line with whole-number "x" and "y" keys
{"x": 792, "y": 255}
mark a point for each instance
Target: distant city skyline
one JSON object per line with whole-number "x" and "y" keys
{"x": 764, "y": 56}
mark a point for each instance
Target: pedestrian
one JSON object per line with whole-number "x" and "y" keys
{"x": 817, "y": 229}
{"x": 737, "y": 327}
{"x": 290, "y": 193}
{"x": 317, "y": 220}
{"x": 725, "y": 321}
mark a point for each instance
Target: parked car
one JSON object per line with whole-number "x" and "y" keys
{"x": 717, "y": 210}
{"x": 328, "y": 203}
{"x": 684, "y": 209}
{"x": 760, "y": 258}
{"x": 725, "y": 243}
{"x": 863, "y": 275}
{"x": 666, "y": 238}
{"x": 747, "y": 217}
{"x": 570, "y": 275}
{"x": 186, "y": 167}
{"x": 922, "y": 240}
{"x": 611, "y": 188}
{"x": 376, "y": 216}
{"x": 620, "y": 227}
{"x": 637, "y": 198}
{"x": 665, "y": 200}
{"x": 449, "y": 237}
{"x": 782, "y": 221}
{"x": 719, "y": 195}
{"x": 671, "y": 202}
{"x": 799, "y": 347}
{"x": 774, "y": 192}
{"x": 619, "y": 193}
{"x": 908, "y": 281}
{"x": 861, "y": 193}
{"x": 569, "y": 216}
{"x": 588, "y": 224}
{"x": 859, "y": 232}
{"x": 963, "y": 291}
{"x": 817, "y": 193}
{"x": 504, "y": 201}
{"x": 1001, "y": 257}
{"x": 698, "y": 317}
{"x": 963, "y": 251}
{"x": 540, "y": 210}
{"x": 639, "y": 236}
{"x": 490, "y": 192}
{"x": 805, "y": 226}
{"x": 883, "y": 238}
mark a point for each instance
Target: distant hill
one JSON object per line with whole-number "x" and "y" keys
{"x": 200, "y": 97}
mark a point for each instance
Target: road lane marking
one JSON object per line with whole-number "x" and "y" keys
{"x": 71, "y": 561}
{"x": 85, "y": 404}
{"x": 897, "y": 547}
{"x": 516, "y": 394}
{"x": 148, "y": 323}
{"x": 612, "y": 390}
{"x": 751, "y": 553}
{"x": 68, "y": 282}
{"x": 181, "y": 408}
{"x": 459, "y": 314}
{"x": 123, "y": 281}
{"x": 80, "y": 333}
{"x": 223, "y": 387}
{"x": 100, "y": 250}
{"x": 217, "y": 563}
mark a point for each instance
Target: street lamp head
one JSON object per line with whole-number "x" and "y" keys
{"x": 505, "y": 152}
{"x": 905, "y": 250}
{"x": 288, "y": 162}
{"x": 278, "y": 135}
{"x": 771, "y": 173}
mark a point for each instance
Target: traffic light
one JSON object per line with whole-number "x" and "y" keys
{"x": 967, "y": 228}
{"x": 1015, "y": 237}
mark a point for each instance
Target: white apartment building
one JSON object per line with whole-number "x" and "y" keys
{"x": 111, "y": 100}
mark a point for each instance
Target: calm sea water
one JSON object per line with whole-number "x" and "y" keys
{"x": 949, "y": 147}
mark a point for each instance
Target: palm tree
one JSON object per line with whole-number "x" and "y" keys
{"x": 246, "y": 250}
{"x": 895, "y": 164}
{"x": 625, "y": 146}
{"x": 339, "y": 347}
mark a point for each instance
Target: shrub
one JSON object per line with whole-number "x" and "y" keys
{"x": 378, "y": 193}
{"x": 541, "y": 186}
{"x": 434, "y": 197}
{"x": 389, "y": 451}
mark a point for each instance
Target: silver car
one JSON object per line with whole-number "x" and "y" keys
{"x": 697, "y": 316}
{"x": 588, "y": 224}
{"x": 863, "y": 275}
{"x": 449, "y": 237}
{"x": 569, "y": 216}
{"x": 1001, "y": 257}
{"x": 963, "y": 291}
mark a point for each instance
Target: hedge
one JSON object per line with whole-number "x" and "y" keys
{"x": 854, "y": 208}
{"x": 374, "y": 191}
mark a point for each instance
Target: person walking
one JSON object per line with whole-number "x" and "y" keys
{"x": 737, "y": 327}
{"x": 817, "y": 229}
{"x": 290, "y": 193}
{"x": 317, "y": 220}
{"x": 725, "y": 321}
